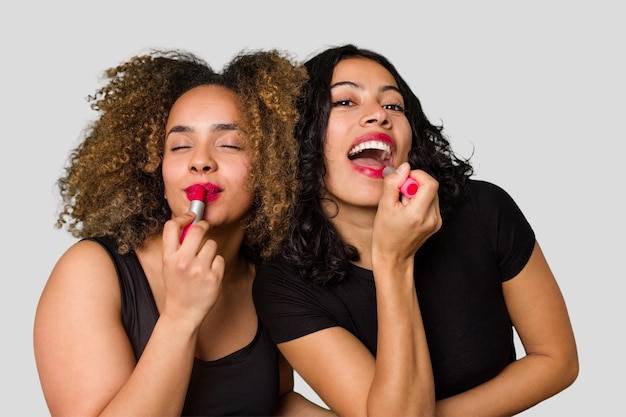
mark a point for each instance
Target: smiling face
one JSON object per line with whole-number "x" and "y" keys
{"x": 367, "y": 130}
{"x": 203, "y": 146}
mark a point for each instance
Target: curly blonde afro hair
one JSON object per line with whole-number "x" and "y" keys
{"x": 113, "y": 184}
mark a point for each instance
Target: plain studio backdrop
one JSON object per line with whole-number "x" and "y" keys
{"x": 534, "y": 89}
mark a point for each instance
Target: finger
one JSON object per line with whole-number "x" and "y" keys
{"x": 393, "y": 182}
{"x": 208, "y": 256}
{"x": 428, "y": 187}
{"x": 173, "y": 231}
{"x": 208, "y": 250}
{"x": 197, "y": 233}
{"x": 218, "y": 266}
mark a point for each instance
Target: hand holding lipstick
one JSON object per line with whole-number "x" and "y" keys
{"x": 408, "y": 188}
{"x": 197, "y": 194}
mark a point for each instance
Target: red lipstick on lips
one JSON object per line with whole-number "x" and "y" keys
{"x": 372, "y": 169}
{"x": 196, "y": 194}
{"x": 382, "y": 137}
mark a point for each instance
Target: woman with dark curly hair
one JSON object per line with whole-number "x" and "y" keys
{"x": 134, "y": 320}
{"x": 391, "y": 303}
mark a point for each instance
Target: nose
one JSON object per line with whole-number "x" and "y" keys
{"x": 374, "y": 114}
{"x": 201, "y": 161}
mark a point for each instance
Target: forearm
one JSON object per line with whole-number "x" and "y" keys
{"x": 521, "y": 385}
{"x": 403, "y": 381}
{"x": 158, "y": 384}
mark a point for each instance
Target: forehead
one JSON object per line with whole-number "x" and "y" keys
{"x": 361, "y": 70}
{"x": 214, "y": 98}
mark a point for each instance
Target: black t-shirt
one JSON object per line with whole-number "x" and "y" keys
{"x": 244, "y": 383}
{"x": 458, "y": 276}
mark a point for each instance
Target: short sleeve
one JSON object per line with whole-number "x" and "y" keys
{"x": 511, "y": 236}
{"x": 288, "y": 306}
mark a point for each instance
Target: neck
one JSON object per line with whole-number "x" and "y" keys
{"x": 355, "y": 225}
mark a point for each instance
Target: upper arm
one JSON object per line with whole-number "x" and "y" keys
{"x": 538, "y": 311}
{"x": 82, "y": 352}
{"x": 336, "y": 365}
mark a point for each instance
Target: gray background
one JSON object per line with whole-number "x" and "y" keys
{"x": 536, "y": 89}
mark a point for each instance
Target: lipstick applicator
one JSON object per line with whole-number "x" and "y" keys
{"x": 196, "y": 194}
{"x": 408, "y": 188}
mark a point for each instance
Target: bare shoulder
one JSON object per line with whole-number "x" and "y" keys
{"x": 78, "y": 331}
{"x": 83, "y": 262}
{"x": 84, "y": 278}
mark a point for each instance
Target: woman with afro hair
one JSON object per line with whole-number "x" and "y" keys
{"x": 134, "y": 319}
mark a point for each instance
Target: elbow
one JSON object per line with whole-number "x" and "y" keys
{"x": 571, "y": 370}
{"x": 567, "y": 369}
{"x": 570, "y": 365}
{"x": 423, "y": 405}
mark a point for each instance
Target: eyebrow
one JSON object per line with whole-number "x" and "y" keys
{"x": 352, "y": 84}
{"x": 220, "y": 127}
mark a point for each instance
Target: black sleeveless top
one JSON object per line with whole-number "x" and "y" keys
{"x": 243, "y": 383}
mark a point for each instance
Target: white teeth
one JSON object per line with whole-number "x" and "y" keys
{"x": 372, "y": 144}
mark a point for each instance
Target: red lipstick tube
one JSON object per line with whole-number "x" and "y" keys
{"x": 408, "y": 188}
{"x": 196, "y": 194}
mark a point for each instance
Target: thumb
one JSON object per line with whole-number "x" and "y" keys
{"x": 394, "y": 179}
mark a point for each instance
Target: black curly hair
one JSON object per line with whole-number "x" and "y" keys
{"x": 313, "y": 244}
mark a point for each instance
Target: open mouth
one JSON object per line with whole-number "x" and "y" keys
{"x": 372, "y": 154}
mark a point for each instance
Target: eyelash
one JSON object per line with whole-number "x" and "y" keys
{"x": 339, "y": 103}
{"x": 231, "y": 147}
{"x": 228, "y": 146}
{"x": 390, "y": 106}
{"x": 397, "y": 107}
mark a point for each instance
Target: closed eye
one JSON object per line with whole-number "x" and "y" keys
{"x": 229, "y": 146}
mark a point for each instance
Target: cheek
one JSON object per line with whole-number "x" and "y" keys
{"x": 335, "y": 129}
{"x": 331, "y": 151}
{"x": 335, "y": 137}
{"x": 167, "y": 163}
{"x": 239, "y": 173}
{"x": 332, "y": 156}
{"x": 244, "y": 195}
{"x": 170, "y": 175}
{"x": 404, "y": 137}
